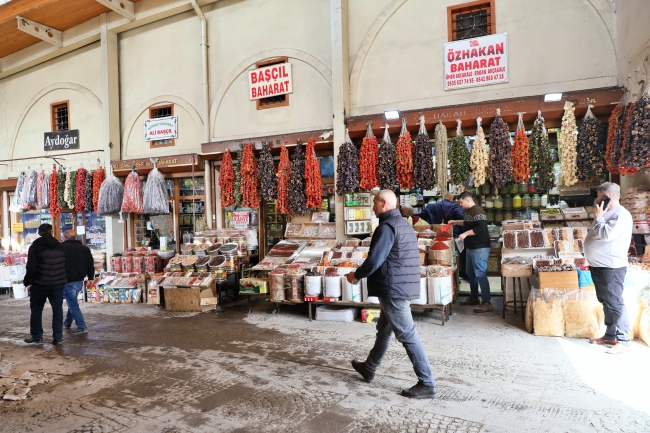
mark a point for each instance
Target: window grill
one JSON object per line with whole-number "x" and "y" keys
{"x": 471, "y": 21}
{"x": 60, "y": 117}
{"x": 161, "y": 112}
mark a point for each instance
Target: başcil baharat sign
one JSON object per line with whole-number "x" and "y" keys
{"x": 476, "y": 62}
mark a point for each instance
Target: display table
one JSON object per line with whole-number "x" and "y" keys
{"x": 445, "y": 310}
{"x": 278, "y": 303}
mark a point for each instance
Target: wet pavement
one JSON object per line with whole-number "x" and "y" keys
{"x": 142, "y": 369}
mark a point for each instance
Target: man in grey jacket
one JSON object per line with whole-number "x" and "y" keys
{"x": 393, "y": 272}
{"x": 606, "y": 249}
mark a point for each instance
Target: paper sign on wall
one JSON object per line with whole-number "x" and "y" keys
{"x": 476, "y": 62}
{"x": 81, "y": 230}
{"x": 241, "y": 219}
{"x": 17, "y": 227}
{"x": 161, "y": 128}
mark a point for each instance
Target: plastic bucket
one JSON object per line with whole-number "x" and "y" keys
{"x": 20, "y": 291}
{"x": 314, "y": 285}
{"x": 333, "y": 287}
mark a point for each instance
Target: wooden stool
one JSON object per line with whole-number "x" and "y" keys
{"x": 522, "y": 303}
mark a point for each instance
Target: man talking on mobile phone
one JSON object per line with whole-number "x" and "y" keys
{"x": 606, "y": 248}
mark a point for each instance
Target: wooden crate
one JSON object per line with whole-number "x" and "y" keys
{"x": 191, "y": 299}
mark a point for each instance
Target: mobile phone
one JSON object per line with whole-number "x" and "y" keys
{"x": 605, "y": 202}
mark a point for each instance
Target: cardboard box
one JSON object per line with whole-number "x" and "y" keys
{"x": 370, "y": 315}
{"x": 253, "y": 285}
{"x": 558, "y": 280}
{"x": 423, "y": 258}
{"x": 510, "y": 270}
{"x": 513, "y": 226}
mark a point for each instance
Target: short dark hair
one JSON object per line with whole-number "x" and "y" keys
{"x": 464, "y": 195}
{"x": 45, "y": 229}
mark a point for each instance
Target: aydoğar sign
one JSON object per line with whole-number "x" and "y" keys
{"x": 61, "y": 140}
{"x": 476, "y": 62}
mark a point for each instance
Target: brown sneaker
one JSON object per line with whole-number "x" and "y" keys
{"x": 484, "y": 308}
{"x": 470, "y": 301}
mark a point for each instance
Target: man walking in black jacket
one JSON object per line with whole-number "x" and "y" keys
{"x": 79, "y": 264}
{"x": 393, "y": 272}
{"x": 46, "y": 274}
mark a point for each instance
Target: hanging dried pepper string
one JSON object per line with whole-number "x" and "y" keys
{"x": 249, "y": 181}
{"x": 98, "y": 178}
{"x": 80, "y": 191}
{"x": 520, "y": 154}
{"x": 226, "y": 180}
{"x": 313, "y": 181}
{"x": 368, "y": 161}
{"x": 88, "y": 193}
{"x": 479, "y": 157}
{"x": 386, "y": 164}
{"x": 404, "y": 158}
{"x": 424, "y": 176}
{"x": 614, "y": 119}
{"x": 459, "y": 158}
{"x": 61, "y": 175}
{"x": 55, "y": 210}
{"x": 627, "y": 139}
{"x": 284, "y": 177}
{"x": 347, "y": 168}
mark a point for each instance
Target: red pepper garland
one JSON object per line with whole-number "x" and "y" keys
{"x": 404, "y": 158}
{"x": 313, "y": 181}
{"x": 55, "y": 210}
{"x": 98, "y": 179}
{"x": 368, "y": 161}
{"x": 80, "y": 191}
{"x": 227, "y": 180}
{"x": 284, "y": 177}
{"x": 520, "y": 155}
{"x": 249, "y": 181}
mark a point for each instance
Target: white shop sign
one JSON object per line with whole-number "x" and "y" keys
{"x": 161, "y": 128}
{"x": 476, "y": 62}
{"x": 241, "y": 220}
{"x": 269, "y": 81}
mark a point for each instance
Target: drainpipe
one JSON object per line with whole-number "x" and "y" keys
{"x": 206, "y": 109}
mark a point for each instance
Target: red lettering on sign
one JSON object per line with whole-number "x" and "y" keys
{"x": 254, "y": 93}
{"x": 275, "y": 88}
{"x": 483, "y": 63}
{"x": 267, "y": 75}
{"x": 274, "y": 73}
{"x": 465, "y": 54}
{"x": 260, "y": 77}
{"x": 253, "y": 78}
{"x": 454, "y": 67}
{"x": 281, "y": 87}
{"x": 474, "y": 52}
{"x": 500, "y": 48}
{"x": 286, "y": 85}
{"x": 490, "y": 50}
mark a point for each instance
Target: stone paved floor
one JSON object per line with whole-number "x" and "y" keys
{"x": 141, "y": 369}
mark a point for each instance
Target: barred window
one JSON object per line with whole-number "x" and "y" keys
{"x": 60, "y": 116}
{"x": 471, "y": 20}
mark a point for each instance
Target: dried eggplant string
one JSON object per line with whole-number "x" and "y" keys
{"x": 590, "y": 148}
{"x": 297, "y": 197}
{"x": 616, "y": 122}
{"x": 479, "y": 158}
{"x": 347, "y": 168}
{"x": 442, "y": 162}
{"x": 266, "y": 174}
{"x": 459, "y": 157}
{"x": 386, "y": 169}
{"x": 639, "y": 144}
{"x": 500, "y": 152}
{"x": 423, "y": 172}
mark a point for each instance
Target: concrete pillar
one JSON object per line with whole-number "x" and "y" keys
{"x": 340, "y": 88}
{"x": 6, "y": 227}
{"x": 111, "y": 142}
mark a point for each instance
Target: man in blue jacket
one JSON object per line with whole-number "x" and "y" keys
{"x": 393, "y": 272}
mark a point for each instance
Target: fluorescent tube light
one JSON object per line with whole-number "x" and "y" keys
{"x": 553, "y": 97}
{"x": 392, "y": 115}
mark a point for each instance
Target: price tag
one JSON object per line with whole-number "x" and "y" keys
{"x": 81, "y": 230}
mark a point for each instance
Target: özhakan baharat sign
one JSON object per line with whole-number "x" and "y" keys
{"x": 476, "y": 62}
{"x": 270, "y": 81}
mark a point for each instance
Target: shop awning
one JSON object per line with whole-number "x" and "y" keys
{"x": 166, "y": 164}
{"x": 8, "y": 184}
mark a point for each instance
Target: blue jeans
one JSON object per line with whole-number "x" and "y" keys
{"x": 396, "y": 317}
{"x": 476, "y": 269}
{"x": 71, "y": 291}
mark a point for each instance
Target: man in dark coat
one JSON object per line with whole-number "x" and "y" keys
{"x": 46, "y": 276}
{"x": 79, "y": 264}
{"x": 393, "y": 272}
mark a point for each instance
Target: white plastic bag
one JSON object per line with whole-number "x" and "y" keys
{"x": 156, "y": 201}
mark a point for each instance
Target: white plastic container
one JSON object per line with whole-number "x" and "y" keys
{"x": 422, "y": 300}
{"x": 350, "y": 292}
{"x": 314, "y": 285}
{"x": 20, "y": 291}
{"x": 336, "y": 314}
{"x": 332, "y": 287}
{"x": 439, "y": 290}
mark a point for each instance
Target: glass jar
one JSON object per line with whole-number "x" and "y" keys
{"x": 537, "y": 201}
{"x": 495, "y": 190}
{"x": 485, "y": 188}
{"x": 507, "y": 215}
{"x": 507, "y": 202}
{"x": 489, "y": 202}
{"x": 523, "y": 187}
{"x": 512, "y": 188}
{"x": 526, "y": 201}
{"x": 544, "y": 200}
{"x": 516, "y": 201}
{"x": 498, "y": 202}
{"x": 481, "y": 201}
{"x": 532, "y": 186}
{"x": 490, "y": 216}
{"x": 504, "y": 190}
{"x": 498, "y": 216}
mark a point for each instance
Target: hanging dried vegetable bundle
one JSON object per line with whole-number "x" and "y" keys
{"x": 479, "y": 159}
{"x": 284, "y": 178}
{"x": 569, "y": 139}
{"x": 386, "y": 165}
{"x": 237, "y": 189}
{"x": 424, "y": 176}
{"x": 46, "y": 191}
{"x": 368, "y": 161}
{"x": 520, "y": 153}
{"x": 442, "y": 161}
{"x": 20, "y": 189}
{"x": 88, "y": 192}
{"x": 626, "y": 139}
{"x": 227, "y": 180}
{"x": 347, "y": 168}
{"x": 404, "y": 158}
{"x": 459, "y": 157}
{"x": 535, "y": 143}
{"x": 80, "y": 192}
{"x": 98, "y": 179}
{"x": 613, "y": 149}
{"x": 249, "y": 182}
{"x": 500, "y": 152}
{"x": 40, "y": 180}
{"x": 313, "y": 181}
{"x": 297, "y": 197}
{"x": 590, "y": 148}
{"x": 545, "y": 164}
{"x": 639, "y": 144}
{"x": 266, "y": 174}
{"x": 55, "y": 209}
{"x": 132, "y": 199}
{"x": 31, "y": 190}
{"x": 111, "y": 196}
{"x": 62, "y": 176}
{"x": 156, "y": 199}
